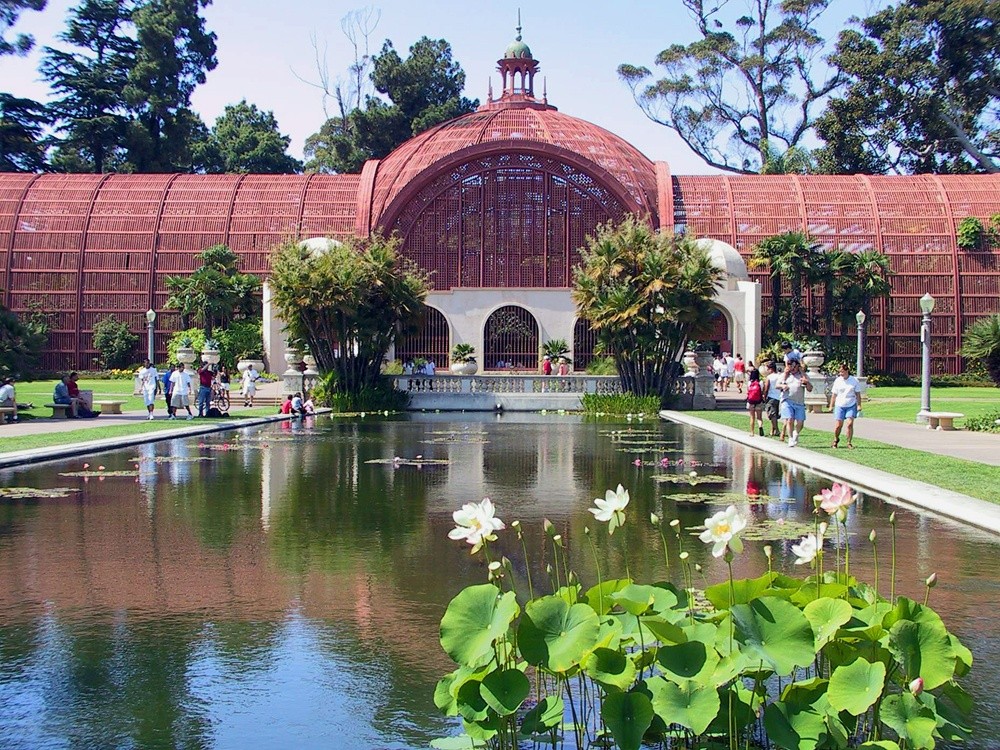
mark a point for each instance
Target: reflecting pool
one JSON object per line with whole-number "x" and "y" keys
{"x": 283, "y": 587}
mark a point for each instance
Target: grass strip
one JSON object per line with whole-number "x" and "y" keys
{"x": 901, "y": 403}
{"x": 956, "y": 474}
{"x": 87, "y": 434}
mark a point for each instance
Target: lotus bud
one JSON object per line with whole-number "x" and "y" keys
{"x": 817, "y": 501}
{"x": 697, "y": 567}
{"x": 572, "y": 580}
{"x": 892, "y": 518}
{"x": 654, "y": 519}
{"x": 842, "y": 515}
{"x": 822, "y": 528}
{"x": 586, "y": 530}
{"x": 917, "y": 686}
{"x": 557, "y": 540}
{"x": 505, "y": 561}
{"x": 728, "y": 555}
{"x": 684, "y": 555}
{"x": 495, "y": 565}
{"x": 872, "y": 537}
{"x": 931, "y": 581}
{"x": 767, "y": 551}
{"x": 675, "y": 523}
{"x": 548, "y": 569}
{"x": 549, "y": 528}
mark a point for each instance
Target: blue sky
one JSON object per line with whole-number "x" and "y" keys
{"x": 264, "y": 49}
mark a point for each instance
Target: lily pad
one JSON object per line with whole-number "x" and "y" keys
{"x": 771, "y": 529}
{"x": 29, "y": 493}
{"x": 410, "y": 461}
{"x": 687, "y": 479}
{"x": 120, "y": 473}
{"x": 170, "y": 459}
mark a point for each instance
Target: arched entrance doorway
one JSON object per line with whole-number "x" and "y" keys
{"x": 511, "y": 336}
{"x": 717, "y": 331}
{"x": 430, "y": 342}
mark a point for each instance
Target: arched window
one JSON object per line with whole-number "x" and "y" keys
{"x": 430, "y": 342}
{"x": 584, "y": 343}
{"x": 511, "y": 337}
{"x": 718, "y": 331}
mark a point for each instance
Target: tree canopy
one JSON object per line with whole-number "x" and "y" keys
{"x": 348, "y": 304}
{"x": 645, "y": 294}
{"x": 923, "y": 92}
{"x": 10, "y": 11}
{"x": 746, "y": 92}
{"x": 245, "y": 139}
{"x": 216, "y": 293}
{"x": 423, "y": 90}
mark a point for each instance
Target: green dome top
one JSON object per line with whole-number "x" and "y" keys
{"x": 517, "y": 49}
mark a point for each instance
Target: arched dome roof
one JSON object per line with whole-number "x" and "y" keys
{"x": 517, "y": 49}
{"x": 727, "y": 259}
{"x": 536, "y": 125}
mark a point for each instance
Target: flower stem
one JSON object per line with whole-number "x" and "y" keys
{"x": 527, "y": 565}
{"x": 597, "y": 565}
{"x": 892, "y": 572}
{"x": 666, "y": 551}
{"x": 625, "y": 556}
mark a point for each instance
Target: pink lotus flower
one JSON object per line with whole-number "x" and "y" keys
{"x": 638, "y": 462}
{"x": 664, "y": 462}
{"x": 100, "y": 468}
{"x": 917, "y": 686}
{"x": 86, "y": 466}
{"x": 836, "y": 498}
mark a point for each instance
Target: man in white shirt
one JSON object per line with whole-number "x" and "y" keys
{"x": 180, "y": 390}
{"x": 845, "y": 395}
{"x": 249, "y": 385}
{"x": 719, "y": 369}
{"x": 730, "y": 371}
{"x": 8, "y": 399}
{"x": 793, "y": 385}
{"x": 149, "y": 384}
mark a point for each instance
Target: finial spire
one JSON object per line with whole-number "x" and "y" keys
{"x": 518, "y": 37}
{"x": 489, "y": 92}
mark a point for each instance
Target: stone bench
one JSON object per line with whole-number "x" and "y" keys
{"x": 942, "y": 420}
{"x": 110, "y": 407}
{"x": 5, "y": 412}
{"x": 59, "y": 410}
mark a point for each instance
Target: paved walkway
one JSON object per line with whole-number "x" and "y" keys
{"x": 983, "y": 447}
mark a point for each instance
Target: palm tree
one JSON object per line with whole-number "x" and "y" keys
{"x": 982, "y": 341}
{"x": 789, "y": 256}
{"x": 827, "y": 268}
{"x": 644, "y": 294}
{"x": 869, "y": 273}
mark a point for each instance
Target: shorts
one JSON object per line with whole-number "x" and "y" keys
{"x": 177, "y": 400}
{"x": 792, "y": 410}
{"x": 740, "y": 377}
{"x": 758, "y": 407}
{"x": 840, "y": 413}
{"x": 771, "y": 408}
{"x": 149, "y": 398}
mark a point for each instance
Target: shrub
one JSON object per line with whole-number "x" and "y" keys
{"x": 383, "y": 396}
{"x": 114, "y": 341}
{"x": 620, "y": 404}
{"x": 240, "y": 340}
{"x": 981, "y": 341}
{"x": 19, "y": 346}
{"x": 989, "y": 422}
{"x": 602, "y": 366}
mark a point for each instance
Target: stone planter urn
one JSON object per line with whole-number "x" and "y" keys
{"x": 243, "y": 364}
{"x": 293, "y": 358}
{"x": 185, "y": 354}
{"x": 690, "y": 361}
{"x": 210, "y": 356}
{"x": 812, "y": 360}
{"x": 703, "y": 359}
{"x": 464, "y": 368}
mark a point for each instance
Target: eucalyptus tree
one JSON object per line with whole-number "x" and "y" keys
{"x": 747, "y": 91}
{"x": 348, "y": 303}
{"x": 645, "y": 294}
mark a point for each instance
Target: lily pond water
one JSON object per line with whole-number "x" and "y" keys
{"x": 283, "y": 587}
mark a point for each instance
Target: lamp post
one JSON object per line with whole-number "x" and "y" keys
{"x": 150, "y": 320}
{"x": 859, "y": 370}
{"x": 926, "y": 307}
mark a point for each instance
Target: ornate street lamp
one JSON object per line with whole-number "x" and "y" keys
{"x": 150, "y": 320}
{"x": 860, "y": 318}
{"x": 926, "y": 307}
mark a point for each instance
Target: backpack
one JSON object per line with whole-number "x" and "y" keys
{"x": 754, "y": 393}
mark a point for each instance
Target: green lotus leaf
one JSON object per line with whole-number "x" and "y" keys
{"x": 804, "y": 719}
{"x": 826, "y": 616}
{"x": 627, "y": 716}
{"x": 910, "y": 719}
{"x": 962, "y": 654}
{"x": 812, "y": 591}
{"x": 675, "y": 600}
{"x": 879, "y": 745}
{"x": 744, "y": 590}
{"x": 855, "y": 687}
{"x": 924, "y": 650}
{"x": 470, "y": 701}
{"x": 556, "y": 635}
{"x": 443, "y": 698}
{"x": 688, "y": 704}
{"x": 775, "y": 631}
{"x": 505, "y": 690}
{"x": 907, "y": 609}
{"x": 610, "y": 668}
{"x": 706, "y": 632}
{"x": 693, "y": 661}
{"x": 546, "y": 714}
{"x": 663, "y": 630}
{"x": 460, "y": 742}
{"x": 474, "y": 620}
{"x": 482, "y": 731}
{"x": 634, "y": 598}
{"x": 599, "y": 597}
{"x": 611, "y": 633}
{"x": 951, "y": 724}
{"x": 739, "y": 700}
{"x": 957, "y": 695}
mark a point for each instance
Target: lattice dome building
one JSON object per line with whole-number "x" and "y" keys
{"x": 495, "y": 204}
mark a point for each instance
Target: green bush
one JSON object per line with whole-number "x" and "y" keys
{"x": 19, "y": 346}
{"x": 195, "y": 335}
{"x": 602, "y": 366}
{"x": 989, "y": 422}
{"x": 981, "y": 342}
{"x": 115, "y": 343}
{"x": 620, "y": 404}
{"x": 381, "y": 397}
{"x": 240, "y": 340}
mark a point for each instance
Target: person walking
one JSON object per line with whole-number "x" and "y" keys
{"x": 772, "y": 396}
{"x": 206, "y": 376}
{"x": 168, "y": 386}
{"x": 180, "y": 392}
{"x": 730, "y": 370}
{"x": 249, "y": 385}
{"x": 793, "y": 386}
{"x": 546, "y": 365}
{"x": 149, "y": 386}
{"x": 719, "y": 370}
{"x": 739, "y": 373}
{"x": 845, "y": 397}
{"x": 755, "y": 403}
{"x": 563, "y": 367}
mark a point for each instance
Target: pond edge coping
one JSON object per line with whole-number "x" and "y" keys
{"x": 965, "y": 509}
{"x": 86, "y": 447}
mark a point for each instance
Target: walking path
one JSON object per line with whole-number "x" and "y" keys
{"x": 983, "y": 447}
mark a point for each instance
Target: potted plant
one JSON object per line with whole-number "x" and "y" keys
{"x": 210, "y": 353}
{"x": 463, "y": 359}
{"x": 185, "y": 352}
{"x": 250, "y": 357}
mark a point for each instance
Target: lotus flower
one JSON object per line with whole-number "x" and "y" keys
{"x": 611, "y": 508}
{"x": 723, "y": 529}
{"x": 836, "y": 499}
{"x": 807, "y": 549}
{"x": 476, "y": 523}
{"x": 638, "y": 462}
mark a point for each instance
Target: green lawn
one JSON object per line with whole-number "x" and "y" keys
{"x": 968, "y": 477}
{"x": 39, "y": 392}
{"x": 901, "y": 403}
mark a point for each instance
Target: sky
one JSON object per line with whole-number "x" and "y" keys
{"x": 265, "y": 51}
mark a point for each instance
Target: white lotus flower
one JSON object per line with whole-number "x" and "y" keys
{"x": 723, "y": 529}
{"x": 807, "y": 549}
{"x": 611, "y": 508}
{"x": 476, "y": 523}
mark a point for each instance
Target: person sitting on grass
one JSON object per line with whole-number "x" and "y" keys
{"x": 8, "y": 399}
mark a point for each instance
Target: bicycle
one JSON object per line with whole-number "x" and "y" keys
{"x": 220, "y": 398}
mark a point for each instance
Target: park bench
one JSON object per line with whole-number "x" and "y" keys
{"x": 110, "y": 407}
{"x": 58, "y": 410}
{"x": 942, "y": 420}
{"x": 5, "y": 412}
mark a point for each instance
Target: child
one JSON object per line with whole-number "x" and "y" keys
{"x": 755, "y": 403}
